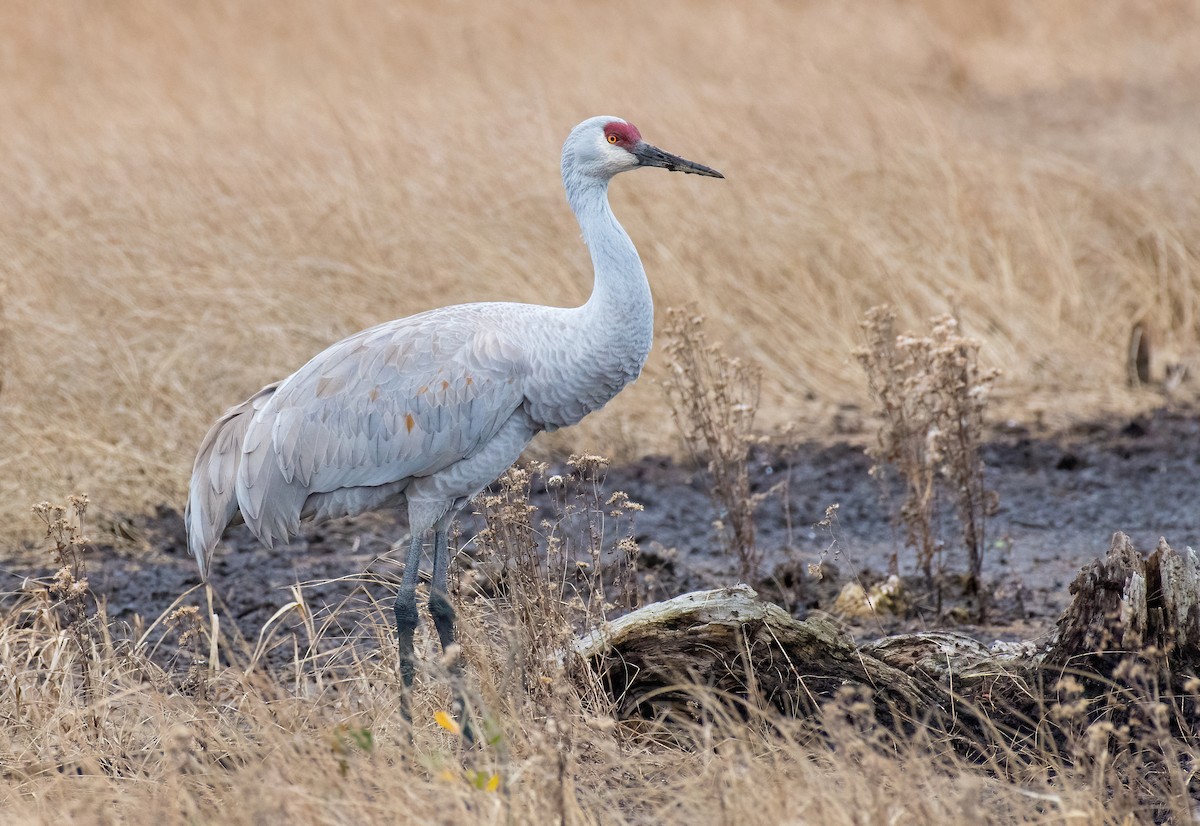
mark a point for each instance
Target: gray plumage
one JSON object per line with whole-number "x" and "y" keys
{"x": 427, "y": 410}
{"x": 431, "y": 408}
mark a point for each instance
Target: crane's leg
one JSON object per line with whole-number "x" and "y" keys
{"x": 439, "y": 592}
{"x": 443, "y": 621}
{"x": 407, "y": 619}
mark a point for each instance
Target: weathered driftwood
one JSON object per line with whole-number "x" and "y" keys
{"x": 731, "y": 644}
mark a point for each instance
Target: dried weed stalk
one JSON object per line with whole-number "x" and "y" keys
{"x": 1130, "y": 738}
{"x": 714, "y": 398}
{"x": 566, "y": 574}
{"x": 930, "y": 396}
{"x": 185, "y": 621}
{"x": 64, "y": 528}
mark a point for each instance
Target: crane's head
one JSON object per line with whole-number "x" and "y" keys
{"x": 603, "y": 146}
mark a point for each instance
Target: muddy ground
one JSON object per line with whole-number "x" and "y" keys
{"x": 1062, "y": 495}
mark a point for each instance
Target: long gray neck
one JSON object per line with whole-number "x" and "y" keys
{"x": 621, "y": 294}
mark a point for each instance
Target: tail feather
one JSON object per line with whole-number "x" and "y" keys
{"x": 212, "y": 496}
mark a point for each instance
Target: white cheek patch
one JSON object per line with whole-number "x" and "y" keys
{"x": 616, "y": 158}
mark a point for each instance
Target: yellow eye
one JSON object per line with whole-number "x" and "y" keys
{"x": 612, "y": 138}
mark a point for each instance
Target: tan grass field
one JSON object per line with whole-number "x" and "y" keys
{"x": 197, "y": 197}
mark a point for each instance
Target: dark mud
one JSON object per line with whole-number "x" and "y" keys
{"x": 1061, "y": 498}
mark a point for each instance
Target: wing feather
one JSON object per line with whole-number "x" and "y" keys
{"x": 404, "y": 399}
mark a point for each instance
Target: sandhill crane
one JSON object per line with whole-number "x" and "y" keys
{"x": 428, "y": 410}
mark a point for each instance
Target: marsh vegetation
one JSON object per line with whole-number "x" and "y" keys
{"x": 198, "y": 198}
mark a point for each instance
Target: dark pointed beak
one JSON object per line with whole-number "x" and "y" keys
{"x": 648, "y": 155}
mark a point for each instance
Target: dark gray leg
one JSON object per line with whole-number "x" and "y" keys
{"x": 406, "y": 620}
{"x": 443, "y": 621}
{"x": 439, "y": 593}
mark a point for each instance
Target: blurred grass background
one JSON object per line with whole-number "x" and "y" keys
{"x": 197, "y": 197}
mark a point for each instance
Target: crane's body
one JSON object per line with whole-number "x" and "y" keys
{"x": 427, "y": 410}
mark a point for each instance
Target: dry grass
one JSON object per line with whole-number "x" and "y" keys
{"x": 116, "y": 731}
{"x": 197, "y": 197}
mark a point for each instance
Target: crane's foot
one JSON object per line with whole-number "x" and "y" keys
{"x": 443, "y": 620}
{"x": 406, "y": 623}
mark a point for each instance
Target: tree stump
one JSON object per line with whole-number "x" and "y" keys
{"x": 1125, "y": 603}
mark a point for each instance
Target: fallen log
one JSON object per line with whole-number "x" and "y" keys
{"x": 731, "y": 642}
{"x": 665, "y": 658}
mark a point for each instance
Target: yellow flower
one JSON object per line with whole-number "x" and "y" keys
{"x": 447, "y": 722}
